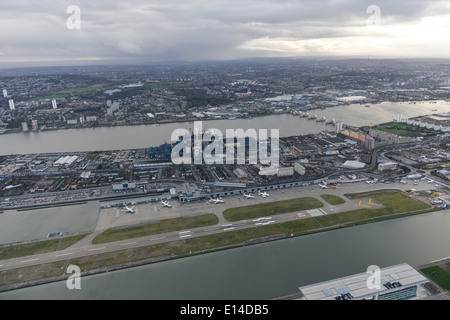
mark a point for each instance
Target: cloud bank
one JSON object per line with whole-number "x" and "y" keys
{"x": 35, "y": 32}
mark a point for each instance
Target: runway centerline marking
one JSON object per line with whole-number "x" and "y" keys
{"x": 98, "y": 249}
{"x": 26, "y": 261}
{"x": 128, "y": 244}
{"x": 63, "y": 255}
{"x": 158, "y": 239}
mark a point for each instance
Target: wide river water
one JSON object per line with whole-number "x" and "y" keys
{"x": 144, "y": 136}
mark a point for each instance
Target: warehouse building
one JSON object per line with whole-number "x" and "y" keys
{"x": 353, "y": 165}
{"x": 301, "y": 170}
{"x": 387, "y": 166}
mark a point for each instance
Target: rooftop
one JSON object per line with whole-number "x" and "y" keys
{"x": 392, "y": 278}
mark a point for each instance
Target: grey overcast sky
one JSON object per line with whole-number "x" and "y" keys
{"x": 35, "y": 32}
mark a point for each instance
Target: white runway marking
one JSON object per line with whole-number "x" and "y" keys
{"x": 98, "y": 249}
{"x": 65, "y": 254}
{"x": 128, "y": 244}
{"x": 26, "y": 261}
{"x": 158, "y": 239}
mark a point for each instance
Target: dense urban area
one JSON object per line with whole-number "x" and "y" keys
{"x": 59, "y": 98}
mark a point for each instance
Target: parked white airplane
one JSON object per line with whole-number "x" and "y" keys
{"x": 324, "y": 186}
{"x": 166, "y": 204}
{"x": 12, "y": 187}
{"x": 130, "y": 210}
{"x": 217, "y": 201}
{"x": 249, "y": 196}
{"x": 263, "y": 194}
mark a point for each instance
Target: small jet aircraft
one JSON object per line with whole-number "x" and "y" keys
{"x": 263, "y": 194}
{"x": 129, "y": 210}
{"x": 249, "y": 196}
{"x": 166, "y": 204}
{"x": 324, "y": 186}
{"x": 217, "y": 201}
{"x": 12, "y": 187}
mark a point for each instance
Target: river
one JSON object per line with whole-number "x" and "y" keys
{"x": 144, "y": 136}
{"x": 268, "y": 270}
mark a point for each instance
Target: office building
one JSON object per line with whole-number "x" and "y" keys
{"x": 12, "y": 105}
{"x": 301, "y": 170}
{"x": 34, "y": 125}
{"x": 5, "y": 93}
{"x": 401, "y": 282}
{"x": 370, "y": 143}
{"x": 339, "y": 127}
{"x": 54, "y": 104}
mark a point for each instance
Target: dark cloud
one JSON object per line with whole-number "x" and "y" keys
{"x": 185, "y": 30}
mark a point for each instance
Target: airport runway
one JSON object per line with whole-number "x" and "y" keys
{"x": 224, "y": 226}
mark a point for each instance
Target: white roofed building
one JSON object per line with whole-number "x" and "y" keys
{"x": 353, "y": 165}
{"x": 401, "y": 282}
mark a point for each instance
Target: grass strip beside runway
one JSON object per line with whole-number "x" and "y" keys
{"x": 394, "y": 202}
{"x": 271, "y": 208}
{"x": 164, "y": 226}
{"x": 332, "y": 199}
{"x": 38, "y": 272}
{"x": 33, "y": 248}
{"x": 438, "y": 275}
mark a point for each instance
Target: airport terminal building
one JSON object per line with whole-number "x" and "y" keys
{"x": 401, "y": 282}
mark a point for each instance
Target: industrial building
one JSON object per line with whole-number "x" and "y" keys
{"x": 240, "y": 174}
{"x": 301, "y": 170}
{"x": 124, "y": 186}
{"x": 387, "y": 166}
{"x": 285, "y": 172}
{"x": 353, "y": 165}
{"x": 401, "y": 282}
{"x": 65, "y": 161}
{"x": 163, "y": 151}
